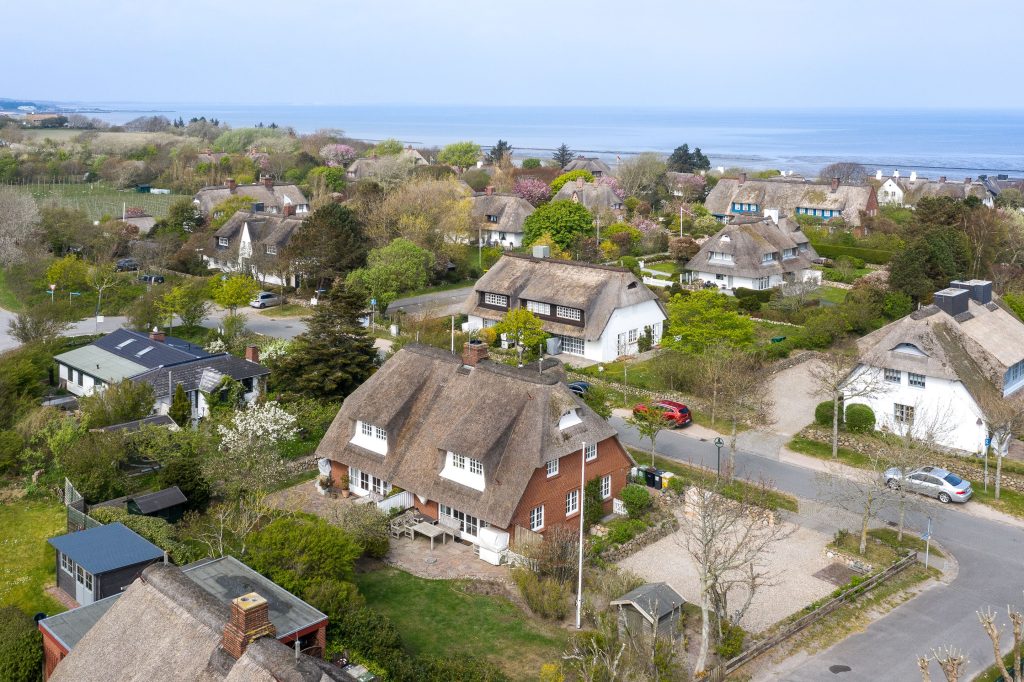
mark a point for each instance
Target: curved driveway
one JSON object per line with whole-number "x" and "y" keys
{"x": 990, "y": 553}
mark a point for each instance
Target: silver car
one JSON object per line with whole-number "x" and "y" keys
{"x": 935, "y": 482}
{"x": 265, "y": 299}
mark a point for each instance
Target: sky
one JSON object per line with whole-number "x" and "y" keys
{"x": 673, "y": 53}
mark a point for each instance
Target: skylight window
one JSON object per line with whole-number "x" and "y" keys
{"x": 123, "y": 344}
{"x": 143, "y": 351}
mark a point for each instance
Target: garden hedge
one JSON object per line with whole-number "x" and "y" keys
{"x": 823, "y": 414}
{"x": 879, "y": 256}
{"x": 860, "y": 418}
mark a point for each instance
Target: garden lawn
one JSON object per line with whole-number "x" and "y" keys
{"x": 668, "y": 268}
{"x": 287, "y": 310}
{"x": 8, "y": 299}
{"x": 440, "y": 617}
{"x": 27, "y": 561}
{"x": 831, "y": 294}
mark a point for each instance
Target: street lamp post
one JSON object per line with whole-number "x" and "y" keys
{"x": 718, "y": 444}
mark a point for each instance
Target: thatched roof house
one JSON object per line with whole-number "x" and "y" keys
{"x": 596, "y": 197}
{"x": 789, "y": 197}
{"x": 910, "y": 190}
{"x": 471, "y": 439}
{"x": 252, "y": 232}
{"x": 596, "y": 166}
{"x": 273, "y": 196}
{"x": 501, "y": 216}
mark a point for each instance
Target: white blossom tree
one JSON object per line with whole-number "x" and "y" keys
{"x": 249, "y": 463}
{"x": 19, "y": 221}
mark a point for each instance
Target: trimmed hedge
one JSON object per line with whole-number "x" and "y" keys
{"x": 879, "y": 256}
{"x": 21, "y": 646}
{"x": 860, "y": 418}
{"x": 762, "y": 295}
{"x": 637, "y": 500}
{"x": 823, "y": 414}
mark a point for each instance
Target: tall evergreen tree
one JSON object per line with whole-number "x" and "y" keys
{"x": 562, "y": 155}
{"x": 499, "y": 151}
{"x": 330, "y": 244}
{"x": 682, "y": 160}
{"x": 181, "y": 410}
{"x": 334, "y": 355}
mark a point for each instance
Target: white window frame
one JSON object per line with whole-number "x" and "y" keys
{"x": 590, "y": 452}
{"x": 902, "y": 414}
{"x": 552, "y": 468}
{"x": 222, "y": 241}
{"x": 568, "y": 313}
{"x": 496, "y": 299}
{"x": 66, "y": 564}
{"x": 606, "y": 487}
{"x": 476, "y": 467}
{"x": 271, "y": 249}
{"x": 537, "y": 518}
{"x": 893, "y": 376}
{"x": 572, "y": 502}
{"x": 458, "y": 461}
{"x": 916, "y": 380}
{"x": 538, "y": 308}
{"x": 572, "y": 345}
{"x": 371, "y": 437}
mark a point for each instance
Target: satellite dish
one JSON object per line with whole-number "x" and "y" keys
{"x": 324, "y": 465}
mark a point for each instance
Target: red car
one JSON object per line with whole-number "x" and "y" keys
{"x": 677, "y": 413}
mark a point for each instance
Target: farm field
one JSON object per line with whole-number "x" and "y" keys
{"x": 97, "y": 199}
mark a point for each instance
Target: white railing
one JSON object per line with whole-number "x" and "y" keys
{"x": 402, "y": 500}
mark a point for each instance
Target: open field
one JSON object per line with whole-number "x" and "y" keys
{"x": 97, "y": 199}
{"x": 444, "y": 618}
{"x": 27, "y": 562}
{"x": 100, "y": 142}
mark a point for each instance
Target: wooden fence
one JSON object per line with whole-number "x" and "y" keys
{"x": 720, "y": 673}
{"x": 402, "y": 500}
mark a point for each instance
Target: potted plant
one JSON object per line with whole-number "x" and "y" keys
{"x": 345, "y": 492}
{"x": 323, "y": 484}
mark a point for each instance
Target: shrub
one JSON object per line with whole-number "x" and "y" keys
{"x": 367, "y": 632}
{"x": 637, "y": 500}
{"x": 823, "y": 413}
{"x": 21, "y": 646}
{"x": 430, "y": 668}
{"x": 731, "y": 643}
{"x": 571, "y": 176}
{"x": 530, "y": 164}
{"x": 860, "y": 418}
{"x": 546, "y": 597}
{"x": 476, "y": 178}
{"x": 622, "y": 531}
{"x": 10, "y": 446}
{"x": 298, "y": 551}
{"x": 593, "y": 508}
{"x": 368, "y": 526}
{"x": 185, "y": 471}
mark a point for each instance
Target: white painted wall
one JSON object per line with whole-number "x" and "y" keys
{"x": 739, "y": 281}
{"x": 646, "y": 314}
{"x": 890, "y": 193}
{"x": 512, "y": 240}
{"x": 942, "y": 402}
{"x": 88, "y": 387}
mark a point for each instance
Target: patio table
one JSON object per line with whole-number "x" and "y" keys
{"x": 431, "y": 531}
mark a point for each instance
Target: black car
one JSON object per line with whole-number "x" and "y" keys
{"x": 580, "y": 388}
{"x": 127, "y": 265}
{"x": 152, "y": 279}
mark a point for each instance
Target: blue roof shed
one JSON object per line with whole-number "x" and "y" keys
{"x": 106, "y": 548}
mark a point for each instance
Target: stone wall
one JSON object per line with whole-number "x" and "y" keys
{"x": 665, "y": 527}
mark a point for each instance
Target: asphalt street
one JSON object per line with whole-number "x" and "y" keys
{"x": 437, "y": 304}
{"x": 991, "y": 573}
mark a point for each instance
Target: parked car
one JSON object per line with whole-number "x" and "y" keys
{"x": 826, "y": 262}
{"x": 265, "y": 299}
{"x": 152, "y": 279}
{"x": 675, "y": 412}
{"x": 127, "y": 265}
{"x": 932, "y": 481}
{"x": 580, "y": 388}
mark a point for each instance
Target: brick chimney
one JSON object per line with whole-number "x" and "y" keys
{"x": 489, "y": 190}
{"x": 473, "y": 352}
{"x": 252, "y": 354}
{"x": 835, "y": 184}
{"x": 579, "y": 183}
{"x": 250, "y": 620}
{"x": 232, "y": 185}
{"x": 157, "y": 335}
{"x": 268, "y": 182}
{"x": 743, "y": 178}
{"x": 942, "y": 179}
{"x": 288, "y": 210}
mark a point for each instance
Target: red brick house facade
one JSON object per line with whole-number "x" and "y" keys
{"x": 477, "y": 442}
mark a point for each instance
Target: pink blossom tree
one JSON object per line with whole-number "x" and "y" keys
{"x": 613, "y": 183}
{"x": 337, "y": 154}
{"x": 533, "y": 190}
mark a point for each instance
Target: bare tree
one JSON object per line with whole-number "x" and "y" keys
{"x": 649, "y": 422}
{"x": 744, "y": 397}
{"x": 101, "y": 278}
{"x": 225, "y": 527}
{"x": 834, "y": 376}
{"x": 622, "y": 653}
{"x": 19, "y": 221}
{"x": 951, "y": 661}
{"x": 861, "y": 492}
{"x": 1004, "y": 417}
{"x": 988, "y": 623}
{"x": 848, "y": 172}
{"x": 713, "y": 370}
{"x": 728, "y": 541}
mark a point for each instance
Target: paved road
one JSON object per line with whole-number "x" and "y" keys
{"x": 437, "y": 304}
{"x": 281, "y": 328}
{"x": 991, "y": 573}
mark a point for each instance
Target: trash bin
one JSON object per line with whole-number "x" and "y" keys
{"x": 649, "y": 477}
{"x": 657, "y": 480}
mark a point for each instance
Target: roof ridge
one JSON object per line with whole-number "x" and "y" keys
{"x": 574, "y": 263}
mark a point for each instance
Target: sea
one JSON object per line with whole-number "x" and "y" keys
{"x": 954, "y": 143}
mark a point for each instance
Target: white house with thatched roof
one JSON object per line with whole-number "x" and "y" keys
{"x": 500, "y": 218}
{"x": 267, "y": 195}
{"x": 254, "y": 242}
{"x": 475, "y": 444}
{"x": 596, "y": 311}
{"x": 596, "y": 197}
{"x": 946, "y": 370}
{"x": 900, "y": 191}
{"x": 791, "y": 197}
{"x": 755, "y": 253}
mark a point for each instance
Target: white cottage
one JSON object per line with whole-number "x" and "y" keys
{"x": 899, "y": 191}
{"x": 254, "y": 242}
{"x": 941, "y": 365}
{"x": 597, "y": 312}
{"x": 755, "y": 253}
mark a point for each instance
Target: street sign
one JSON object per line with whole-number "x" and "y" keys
{"x": 719, "y": 442}
{"x": 373, "y": 301}
{"x": 988, "y": 441}
{"x": 926, "y": 536}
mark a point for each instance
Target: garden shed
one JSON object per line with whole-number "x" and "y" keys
{"x": 649, "y": 608}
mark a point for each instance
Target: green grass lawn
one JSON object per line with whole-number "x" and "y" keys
{"x": 441, "y": 617}
{"x": 831, "y": 294}
{"x": 287, "y": 310}
{"x": 27, "y": 562}
{"x": 99, "y": 200}
{"x": 667, "y": 267}
{"x": 8, "y": 299}
{"x": 638, "y": 374}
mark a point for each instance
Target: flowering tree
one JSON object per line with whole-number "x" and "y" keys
{"x": 690, "y": 187}
{"x": 533, "y": 190}
{"x": 256, "y": 427}
{"x": 337, "y": 154}
{"x": 645, "y": 225}
{"x": 613, "y": 183}
{"x": 249, "y": 463}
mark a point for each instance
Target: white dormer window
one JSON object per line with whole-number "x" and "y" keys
{"x": 726, "y": 239}
{"x": 538, "y": 308}
{"x": 570, "y": 418}
{"x": 371, "y": 437}
{"x": 1014, "y": 378}
{"x": 464, "y": 470}
{"x": 222, "y": 241}
{"x": 767, "y": 257}
{"x": 271, "y": 250}
{"x": 719, "y": 257}
{"x": 552, "y": 468}
{"x": 568, "y": 313}
{"x": 496, "y": 299}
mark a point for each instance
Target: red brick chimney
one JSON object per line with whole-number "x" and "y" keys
{"x": 743, "y": 178}
{"x": 579, "y": 183}
{"x": 250, "y": 620}
{"x": 252, "y": 354}
{"x": 268, "y": 182}
{"x": 288, "y": 210}
{"x": 157, "y": 335}
{"x": 489, "y": 190}
{"x": 232, "y": 185}
{"x": 835, "y": 184}
{"x": 473, "y": 352}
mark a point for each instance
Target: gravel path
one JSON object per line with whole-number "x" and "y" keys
{"x": 793, "y": 563}
{"x": 795, "y": 396}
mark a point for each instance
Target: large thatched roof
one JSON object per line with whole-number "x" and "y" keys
{"x": 264, "y": 229}
{"x": 787, "y": 195}
{"x": 429, "y": 403}
{"x": 748, "y": 240}
{"x": 511, "y": 211}
{"x": 594, "y": 196}
{"x": 597, "y": 290}
{"x": 274, "y": 196}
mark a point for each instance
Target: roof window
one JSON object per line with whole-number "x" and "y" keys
{"x": 143, "y": 351}
{"x": 123, "y": 344}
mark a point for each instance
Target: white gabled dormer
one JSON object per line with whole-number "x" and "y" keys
{"x": 570, "y": 418}
{"x": 371, "y": 437}
{"x": 463, "y": 470}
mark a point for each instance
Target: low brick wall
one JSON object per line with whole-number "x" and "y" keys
{"x": 656, "y": 532}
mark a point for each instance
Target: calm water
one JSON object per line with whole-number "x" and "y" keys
{"x": 946, "y": 142}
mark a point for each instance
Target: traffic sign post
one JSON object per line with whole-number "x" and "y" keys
{"x": 927, "y": 537}
{"x": 718, "y": 444}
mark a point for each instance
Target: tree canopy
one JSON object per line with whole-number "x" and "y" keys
{"x": 571, "y": 176}
{"x": 523, "y": 327}
{"x": 231, "y": 292}
{"x": 459, "y": 154}
{"x": 392, "y": 270}
{"x": 703, "y": 318}
{"x": 499, "y": 151}
{"x": 682, "y": 160}
{"x": 331, "y": 244}
{"x": 563, "y": 155}
{"x": 563, "y": 221}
